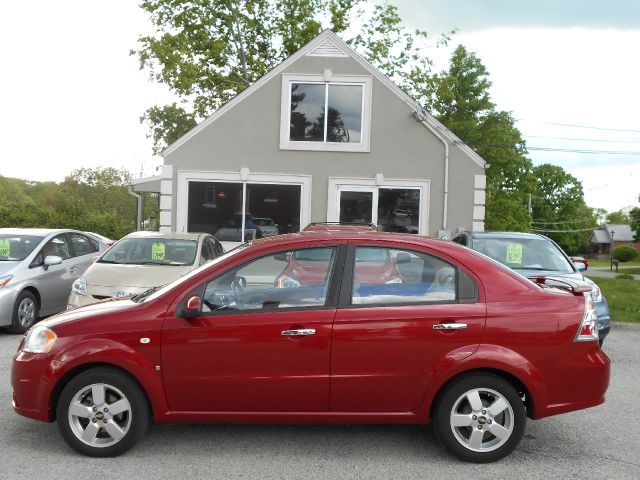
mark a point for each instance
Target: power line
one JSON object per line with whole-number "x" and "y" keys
{"x": 562, "y": 150}
{"x": 580, "y": 126}
{"x": 564, "y": 231}
{"x": 564, "y": 221}
{"x": 582, "y": 139}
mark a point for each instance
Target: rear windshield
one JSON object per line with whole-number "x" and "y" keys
{"x": 14, "y": 248}
{"x": 524, "y": 253}
{"x": 152, "y": 251}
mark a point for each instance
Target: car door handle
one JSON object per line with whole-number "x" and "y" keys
{"x": 450, "y": 326}
{"x": 298, "y": 333}
{"x": 73, "y": 270}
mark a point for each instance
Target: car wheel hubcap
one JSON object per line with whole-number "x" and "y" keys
{"x": 26, "y": 312}
{"x": 482, "y": 420}
{"x": 100, "y": 415}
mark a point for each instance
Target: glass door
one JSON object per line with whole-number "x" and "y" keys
{"x": 356, "y": 205}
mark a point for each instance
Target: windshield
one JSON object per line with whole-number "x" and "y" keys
{"x": 152, "y": 251}
{"x": 524, "y": 253}
{"x": 14, "y": 248}
{"x": 185, "y": 278}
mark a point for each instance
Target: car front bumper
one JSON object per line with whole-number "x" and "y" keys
{"x": 31, "y": 385}
{"x": 8, "y": 297}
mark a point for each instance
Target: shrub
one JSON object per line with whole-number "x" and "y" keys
{"x": 624, "y": 253}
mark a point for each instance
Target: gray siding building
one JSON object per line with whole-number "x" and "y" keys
{"x": 324, "y": 136}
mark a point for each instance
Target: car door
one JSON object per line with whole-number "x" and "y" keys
{"x": 262, "y": 341}
{"x": 54, "y": 282}
{"x": 403, "y": 315}
{"x": 84, "y": 251}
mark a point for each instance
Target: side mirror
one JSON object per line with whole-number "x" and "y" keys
{"x": 282, "y": 256}
{"x": 580, "y": 266}
{"x": 51, "y": 260}
{"x": 192, "y": 307}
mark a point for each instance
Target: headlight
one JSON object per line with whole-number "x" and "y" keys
{"x": 40, "y": 339}
{"x": 5, "y": 279}
{"x": 286, "y": 282}
{"x": 79, "y": 286}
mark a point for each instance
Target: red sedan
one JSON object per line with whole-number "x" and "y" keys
{"x": 388, "y": 328}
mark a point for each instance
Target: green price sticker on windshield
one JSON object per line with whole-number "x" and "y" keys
{"x": 5, "y": 248}
{"x": 157, "y": 252}
{"x": 514, "y": 253}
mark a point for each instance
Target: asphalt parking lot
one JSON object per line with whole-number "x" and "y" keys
{"x": 603, "y": 442}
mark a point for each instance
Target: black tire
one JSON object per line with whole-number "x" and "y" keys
{"x": 117, "y": 384}
{"x": 458, "y": 440}
{"x": 26, "y": 302}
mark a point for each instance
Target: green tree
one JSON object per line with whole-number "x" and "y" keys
{"x": 619, "y": 217}
{"x": 208, "y": 51}
{"x": 634, "y": 213}
{"x": 460, "y": 99}
{"x": 559, "y": 209}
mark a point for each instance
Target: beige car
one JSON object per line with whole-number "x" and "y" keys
{"x": 140, "y": 261}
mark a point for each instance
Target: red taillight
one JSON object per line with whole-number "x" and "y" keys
{"x": 588, "y": 330}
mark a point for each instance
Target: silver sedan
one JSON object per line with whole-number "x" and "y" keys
{"x": 37, "y": 269}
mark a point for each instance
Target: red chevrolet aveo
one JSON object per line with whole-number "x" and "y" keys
{"x": 321, "y": 327}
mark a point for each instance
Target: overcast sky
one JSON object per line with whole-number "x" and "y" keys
{"x": 71, "y": 95}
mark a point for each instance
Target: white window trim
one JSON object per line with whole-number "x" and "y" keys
{"x": 186, "y": 176}
{"x": 338, "y": 184}
{"x": 285, "y": 113}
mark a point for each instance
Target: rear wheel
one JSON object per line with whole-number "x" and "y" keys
{"x": 480, "y": 418}
{"x": 102, "y": 412}
{"x": 25, "y": 312}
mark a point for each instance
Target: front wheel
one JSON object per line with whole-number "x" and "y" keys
{"x": 102, "y": 412}
{"x": 480, "y": 418}
{"x": 25, "y": 313}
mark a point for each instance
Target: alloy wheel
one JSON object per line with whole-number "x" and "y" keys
{"x": 482, "y": 420}
{"x": 99, "y": 415}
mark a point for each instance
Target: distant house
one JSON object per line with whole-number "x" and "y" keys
{"x": 324, "y": 136}
{"x": 621, "y": 234}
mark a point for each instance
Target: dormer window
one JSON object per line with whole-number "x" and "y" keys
{"x": 321, "y": 114}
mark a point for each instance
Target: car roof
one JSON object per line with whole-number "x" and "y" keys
{"x": 168, "y": 235}
{"x": 356, "y": 235}
{"x": 514, "y": 235}
{"x": 38, "y": 232}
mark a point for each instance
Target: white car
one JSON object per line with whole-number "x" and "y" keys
{"x": 230, "y": 238}
{"x": 142, "y": 260}
{"x": 267, "y": 226}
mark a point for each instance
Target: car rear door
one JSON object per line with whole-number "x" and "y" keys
{"x": 393, "y": 335}
{"x": 262, "y": 341}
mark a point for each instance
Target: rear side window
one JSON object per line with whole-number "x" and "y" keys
{"x": 82, "y": 245}
{"x": 388, "y": 276}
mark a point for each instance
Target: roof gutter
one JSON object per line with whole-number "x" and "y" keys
{"x": 421, "y": 117}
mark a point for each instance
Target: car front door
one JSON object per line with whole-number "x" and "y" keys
{"x": 262, "y": 340}
{"x": 54, "y": 282}
{"x": 402, "y": 315}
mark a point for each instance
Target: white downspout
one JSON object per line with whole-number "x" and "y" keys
{"x": 422, "y": 119}
{"x": 139, "y": 207}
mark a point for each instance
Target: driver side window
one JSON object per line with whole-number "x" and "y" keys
{"x": 296, "y": 278}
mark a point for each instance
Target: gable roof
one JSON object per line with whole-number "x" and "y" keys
{"x": 326, "y": 44}
{"x": 621, "y": 233}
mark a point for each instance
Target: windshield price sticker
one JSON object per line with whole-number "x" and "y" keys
{"x": 5, "y": 248}
{"x": 514, "y": 253}
{"x": 158, "y": 252}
